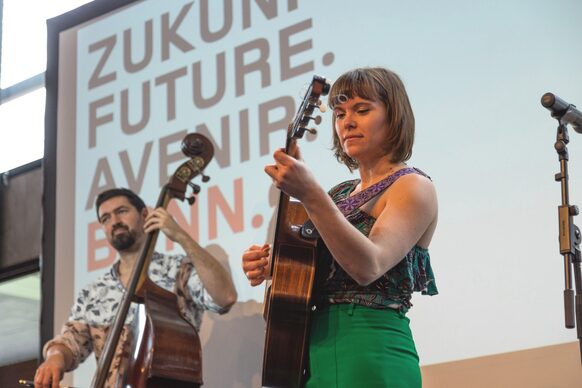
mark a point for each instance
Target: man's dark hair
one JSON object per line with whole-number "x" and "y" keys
{"x": 132, "y": 197}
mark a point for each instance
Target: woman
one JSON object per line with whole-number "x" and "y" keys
{"x": 376, "y": 231}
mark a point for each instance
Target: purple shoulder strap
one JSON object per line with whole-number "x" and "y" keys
{"x": 347, "y": 205}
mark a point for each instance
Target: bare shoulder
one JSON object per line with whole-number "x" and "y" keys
{"x": 409, "y": 210}
{"x": 410, "y": 193}
{"x": 416, "y": 186}
{"x": 414, "y": 194}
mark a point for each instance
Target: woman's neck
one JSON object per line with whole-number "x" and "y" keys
{"x": 374, "y": 172}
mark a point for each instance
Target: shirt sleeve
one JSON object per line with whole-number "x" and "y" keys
{"x": 75, "y": 334}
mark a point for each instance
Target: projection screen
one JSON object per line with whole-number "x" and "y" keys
{"x": 128, "y": 80}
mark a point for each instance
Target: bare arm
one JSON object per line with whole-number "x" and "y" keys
{"x": 213, "y": 275}
{"x": 64, "y": 352}
{"x": 409, "y": 211}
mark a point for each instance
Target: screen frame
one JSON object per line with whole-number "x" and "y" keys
{"x": 55, "y": 26}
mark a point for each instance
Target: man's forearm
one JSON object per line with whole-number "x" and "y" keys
{"x": 59, "y": 351}
{"x": 213, "y": 275}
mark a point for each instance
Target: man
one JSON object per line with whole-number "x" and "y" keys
{"x": 197, "y": 278}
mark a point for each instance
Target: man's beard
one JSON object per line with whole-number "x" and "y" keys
{"x": 123, "y": 241}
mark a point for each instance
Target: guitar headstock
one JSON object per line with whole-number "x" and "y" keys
{"x": 200, "y": 151}
{"x": 319, "y": 87}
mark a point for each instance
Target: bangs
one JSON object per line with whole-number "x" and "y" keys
{"x": 356, "y": 83}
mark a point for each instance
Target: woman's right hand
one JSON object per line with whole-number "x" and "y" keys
{"x": 256, "y": 263}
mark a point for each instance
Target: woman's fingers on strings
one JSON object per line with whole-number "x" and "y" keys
{"x": 287, "y": 157}
{"x": 282, "y": 158}
{"x": 271, "y": 170}
{"x": 295, "y": 153}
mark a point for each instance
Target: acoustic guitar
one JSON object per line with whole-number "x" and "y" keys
{"x": 288, "y": 297}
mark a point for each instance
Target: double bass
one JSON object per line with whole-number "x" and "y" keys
{"x": 288, "y": 297}
{"x": 169, "y": 353}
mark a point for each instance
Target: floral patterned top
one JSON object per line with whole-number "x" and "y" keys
{"x": 394, "y": 289}
{"x": 95, "y": 308}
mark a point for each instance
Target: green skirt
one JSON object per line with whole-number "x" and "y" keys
{"x": 356, "y": 346}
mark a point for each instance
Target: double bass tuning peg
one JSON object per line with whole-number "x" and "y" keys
{"x": 195, "y": 187}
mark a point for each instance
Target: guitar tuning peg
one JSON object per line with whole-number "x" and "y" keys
{"x": 316, "y": 119}
{"x": 205, "y": 178}
{"x": 191, "y": 200}
{"x": 313, "y": 131}
{"x": 322, "y": 106}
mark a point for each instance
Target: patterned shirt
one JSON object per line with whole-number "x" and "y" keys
{"x": 393, "y": 289}
{"x": 94, "y": 310}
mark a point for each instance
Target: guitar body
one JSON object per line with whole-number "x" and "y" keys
{"x": 288, "y": 301}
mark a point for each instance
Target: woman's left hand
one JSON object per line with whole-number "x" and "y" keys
{"x": 290, "y": 174}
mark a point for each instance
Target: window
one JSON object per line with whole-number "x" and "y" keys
{"x": 19, "y": 299}
{"x": 24, "y": 36}
{"x": 22, "y": 130}
{"x": 23, "y": 57}
{"x": 22, "y": 102}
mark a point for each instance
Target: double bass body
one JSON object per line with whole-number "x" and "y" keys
{"x": 169, "y": 353}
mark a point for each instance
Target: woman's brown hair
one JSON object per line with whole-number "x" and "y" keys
{"x": 381, "y": 85}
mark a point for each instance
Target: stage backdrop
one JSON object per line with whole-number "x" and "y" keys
{"x": 126, "y": 85}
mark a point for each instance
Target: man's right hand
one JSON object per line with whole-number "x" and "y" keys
{"x": 256, "y": 263}
{"x": 50, "y": 372}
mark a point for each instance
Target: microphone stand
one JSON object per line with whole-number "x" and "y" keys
{"x": 570, "y": 237}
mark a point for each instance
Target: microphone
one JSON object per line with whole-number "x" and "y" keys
{"x": 566, "y": 113}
